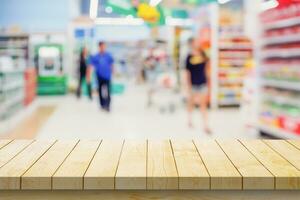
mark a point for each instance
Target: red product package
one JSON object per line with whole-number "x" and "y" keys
{"x": 290, "y": 124}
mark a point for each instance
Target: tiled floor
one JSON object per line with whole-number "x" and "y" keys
{"x": 131, "y": 119}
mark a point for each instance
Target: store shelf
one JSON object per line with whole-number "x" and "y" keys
{"x": 231, "y": 70}
{"x": 282, "y": 100}
{"x": 281, "y": 39}
{"x": 14, "y": 85}
{"x": 236, "y": 47}
{"x": 278, "y": 133}
{"x": 282, "y": 23}
{"x": 229, "y": 102}
{"x": 230, "y": 90}
{"x": 282, "y": 84}
{"x": 231, "y": 80}
{"x": 14, "y": 47}
{"x": 281, "y": 53}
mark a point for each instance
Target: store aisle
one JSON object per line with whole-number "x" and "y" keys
{"x": 131, "y": 119}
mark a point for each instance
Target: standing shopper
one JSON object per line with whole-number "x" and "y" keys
{"x": 103, "y": 65}
{"x": 83, "y": 73}
{"x": 197, "y": 64}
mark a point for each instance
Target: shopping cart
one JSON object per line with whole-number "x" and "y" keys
{"x": 165, "y": 92}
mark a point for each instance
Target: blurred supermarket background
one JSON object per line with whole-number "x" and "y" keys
{"x": 254, "y": 77}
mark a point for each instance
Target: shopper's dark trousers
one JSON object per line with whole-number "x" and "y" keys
{"x": 104, "y": 93}
{"x": 88, "y": 85}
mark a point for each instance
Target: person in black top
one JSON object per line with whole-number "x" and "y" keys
{"x": 83, "y": 73}
{"x": 197, "y": 64}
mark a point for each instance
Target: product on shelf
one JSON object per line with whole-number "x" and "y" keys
{"x": 11, "y": 92}
{"x": 280, "y": 71}
{"x": 13, "y": 61}
{"x": 234, "y": 53}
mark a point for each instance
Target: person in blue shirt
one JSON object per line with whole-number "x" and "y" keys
{"x": 103, "y": 66}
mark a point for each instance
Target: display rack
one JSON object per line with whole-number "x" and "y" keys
{"x": 234, "y": 53}
{"x": 14, "y": 57}
{"x": 279, "y": 114}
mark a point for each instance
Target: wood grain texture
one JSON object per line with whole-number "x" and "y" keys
{"x": 131, "y": 172}
{"x": 224, "y": 175}
{"x": 39, "y": 176}
{"x": 286, "y": 150}
{"x": 149, "y": 195}
{"x": 161, "y": 168}
{"x": 150, "y": 165}
{"x": 296, "y": 143}
{"x": 102, "y": 170}
{"x": 287, "y": 177}
{"x": 255, "y": 175}
{"x": 3, "y": 143}
{"x": 191, "y": 170}
{"x": 70, "y": 174}
{"x": 10, "y": 174}
{"x": 12, "y": 149}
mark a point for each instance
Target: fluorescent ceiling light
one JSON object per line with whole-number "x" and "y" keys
{"x": 170, "y": 21}
{"x": 223, "y": 1}
{"x": 131, "y": 21}
{"x": 154, "y": 3}
{"x": 119, "y": 21}
{"x": 94, "y": 8}
{"x": 266, "y": 5}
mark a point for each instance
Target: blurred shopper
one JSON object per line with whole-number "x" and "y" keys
{"x": 103, "y": 65}
{"x": 83, "y": 73}
{"x": 197, "y": 64}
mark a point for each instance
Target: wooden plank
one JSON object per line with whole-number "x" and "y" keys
{"x": 102, "y": 170}
{"x": 39, "y": 176}
{"x": 149, "y": 195}
{"x": 70, "y": 174}
{"x": 286, "y": 150}
{"x": 296, "y": 143}
{"x": 12, "y": 149}
{"x": 3, "y": 143}
{"x": 255, "y": 175}
{"x": 224, "y": 175}
{"x": 161, "y": 168}
{"x": 131, "y": 172}
{"x": 10, "y": 174}
{"x": 191, "y": 170}
{"x": 286, "y": 175}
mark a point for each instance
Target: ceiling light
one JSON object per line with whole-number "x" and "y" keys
{"x": 119, "y": 21}
{"x": 170, "y": 21}
{"x": 94, "y": 8}
{"x": 223, "y": 1}
{"x": 154, "y": 3}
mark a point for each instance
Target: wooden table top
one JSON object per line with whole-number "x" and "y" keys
{"x": 150, "y": 165}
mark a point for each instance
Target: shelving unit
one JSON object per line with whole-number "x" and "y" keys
{"x": 234, "y": 52}
{"x": 11, "y": 95}
{"x": 279, "y": 114}
{"x": 13, "y": 61}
